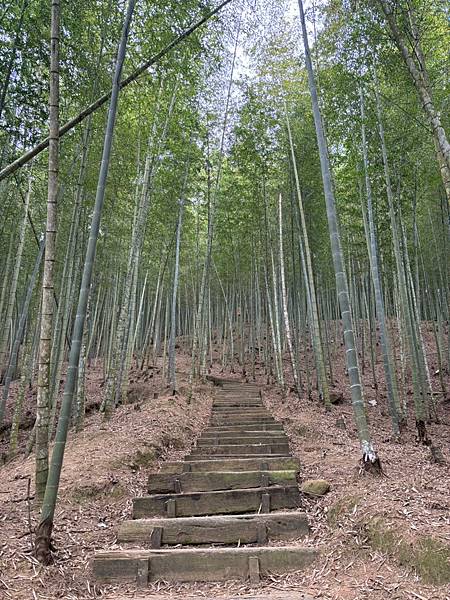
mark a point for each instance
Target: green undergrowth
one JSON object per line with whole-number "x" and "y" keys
{"x": 304, "y": 431}
{"x": 145, "y": 458}
{"x": 95, "y": 491}
{"x": 342, "y": 508}
{"x": 428, "y": 556}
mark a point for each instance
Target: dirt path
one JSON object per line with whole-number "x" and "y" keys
{"x": 361, "y": 560}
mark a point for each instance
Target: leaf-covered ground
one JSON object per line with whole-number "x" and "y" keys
{"x": 380, "y": 538}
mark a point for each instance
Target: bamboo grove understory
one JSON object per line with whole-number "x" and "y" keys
{"x": 266, "y": 193}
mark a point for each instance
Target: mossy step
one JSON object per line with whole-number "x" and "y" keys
{"x": 194, "y": 456}
{"x": 240, "y": 419}
{"x": 253, "y": 463}
{"x": 238, "y": 405}
{"x": 238, "y": 394}
{"x": 239, "y": 389}
{"x": 262, "y": 499}
{"x": 250, "y": 427}
{"x": 225, "y": 449}
{"x": 250, "y": 410}
{"x": 238, "y": 408}
{"x": 162, "y": 483}
{"x": 243, "y": 529}
{"x": 238, "y": 399}
{"x": 212, "y": 564}
{"x": 273, "y": 596}
{"x": 249, "y": 438}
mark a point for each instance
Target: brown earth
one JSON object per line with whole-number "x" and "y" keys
{"x": 380, "y": 537}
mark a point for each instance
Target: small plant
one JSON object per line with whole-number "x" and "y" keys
{"x": 429, "y": 557}
{"x": 340, "y": 509}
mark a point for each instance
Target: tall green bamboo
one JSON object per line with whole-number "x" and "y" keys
{"x": 370, "y": 460}
{"x": 389, "y": 371}
{"x": 45, "y": 527}
{"x": 419, "y": 386}
{"x": 309, "y": 279}
{"x": 48, "y": 280}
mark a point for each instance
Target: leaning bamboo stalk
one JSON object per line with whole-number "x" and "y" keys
{"x": 45, "y": 527}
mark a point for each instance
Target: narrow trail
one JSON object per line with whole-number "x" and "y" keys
{"x": 230, "y": 498}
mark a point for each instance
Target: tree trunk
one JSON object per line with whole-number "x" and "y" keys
{"x": 284, "y": 299}
{"x": 45, "y": 527}
{"x": 48, "y": 280}
{"x": 27, "y": 156}
{"x": 370, "y": 460}
{"x": 173, "y": 309}
{"x": 389, "y": 371}
{"x": 419, "y": 74}
{"x": 7, "y": 323}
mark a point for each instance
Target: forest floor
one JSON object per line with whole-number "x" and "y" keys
{"x": 380, "y": 538}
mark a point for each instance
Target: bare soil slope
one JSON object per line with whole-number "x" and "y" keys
{"x": 380, "y": 538}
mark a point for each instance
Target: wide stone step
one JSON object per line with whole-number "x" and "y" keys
{"x": 253, "y": 427}
{"x": 239, "y": 392}
{"x": 162, "y": 483}
{"x": 212, "y": 564}
{"x": 241, "y": 398}
{"x": 221, "y": 456}
{"x": 230, "y": 449}
{"x": 240, "y": 419}
{"x": 253, "y": 463}
{"x": 248, "y": 438}
{"x": 235, "y": 432}
{"x": 263, "y": 499}
{"x": 240, "y": 407}
{"x": 243, "y": 529}
{"x": 250, "y": 412}
{"x": 229, "y": 409}
{"x": 289, "y": 595}
{"x": 236, "y": 406}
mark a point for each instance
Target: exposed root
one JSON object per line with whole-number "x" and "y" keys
{"x": 43, "y": 543}
{"x": 436, "y": 455}
{"x": 370, "y": 465}
{"x": 422, "y": 434}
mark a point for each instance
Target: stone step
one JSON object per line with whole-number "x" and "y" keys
{"x": 194, "y": 456}
{"x": 242, "y": 434}
{"x": 228, "y": 408}
{"x": 242, "y": 391}
{"x": 238, "y": 401}
{"x": 237, "y": 395}
{"x": 233, "y": 411}
{"x": 235, "y": 529}
{"x": 237, "y": 404}
{"x": 253, "y": 463}
{"x": 163, "y": 483}
{"x": 251, "y": 427}
{"x": 230, "y": 449}
{"x": 263, "y": 499}
{"x": 240, "y": 419}
{"x": 290, "y": 595}
{"x": 235, "y": 408}
{"x": 212, "y": 564}
{"x": 247, "y": 438}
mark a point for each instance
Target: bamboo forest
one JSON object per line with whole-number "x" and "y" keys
{"x": 224, "y": 299}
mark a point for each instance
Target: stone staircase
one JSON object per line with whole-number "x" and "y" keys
{"x": 229, "y": 498}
